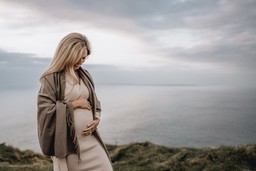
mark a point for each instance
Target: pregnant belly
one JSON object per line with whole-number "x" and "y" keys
{"x": 82, "y": 118}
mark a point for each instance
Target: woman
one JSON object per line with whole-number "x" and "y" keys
{"x": 69, "y": 111}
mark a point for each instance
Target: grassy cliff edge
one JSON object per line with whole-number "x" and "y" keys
{"x": 146, "y": 156}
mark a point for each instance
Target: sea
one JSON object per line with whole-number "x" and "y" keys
{"x": 168, "y": 115}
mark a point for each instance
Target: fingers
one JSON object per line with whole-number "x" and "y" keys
{"x": 96, "y": 122}
{"x": 89, "y": 107}
{"x": 85, "y": 104}
{"x": 88, "y": 131}
{"x": 90, "y": 128}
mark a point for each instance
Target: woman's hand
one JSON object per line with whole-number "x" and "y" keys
{"x": 81, "y": 102}
{"x": 91, "y": 127}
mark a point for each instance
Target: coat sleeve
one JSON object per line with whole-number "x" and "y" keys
{"x": 98, "y": 108}
{"x": 46, "y": 117}
{"x": 52, "y": 120}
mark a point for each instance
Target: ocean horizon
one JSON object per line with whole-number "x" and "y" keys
{"x": 170, "y": 115}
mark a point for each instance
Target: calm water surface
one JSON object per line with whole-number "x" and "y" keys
{"x": 191, "y": 116}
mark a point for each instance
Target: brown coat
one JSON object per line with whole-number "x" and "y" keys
{"x": 55, "y": 116}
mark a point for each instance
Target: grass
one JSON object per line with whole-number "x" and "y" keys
{"x": 13, "y": 159}
{"x": 146, "y": 157}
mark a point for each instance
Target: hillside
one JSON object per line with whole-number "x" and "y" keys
{"x": 146, "y": 157}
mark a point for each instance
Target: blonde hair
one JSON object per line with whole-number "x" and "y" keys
{"x": 68, "y": 53}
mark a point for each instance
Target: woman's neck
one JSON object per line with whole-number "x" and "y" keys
{"x": 77, "y": 76}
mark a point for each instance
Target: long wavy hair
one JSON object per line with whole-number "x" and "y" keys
{"x": 68, "y": 53}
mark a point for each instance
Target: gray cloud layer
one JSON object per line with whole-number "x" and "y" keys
{"x": 229, "y": 25}
{"x": 17, "y": 69}
{"x": 226, "y": 27}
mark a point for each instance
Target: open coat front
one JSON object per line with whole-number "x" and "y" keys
{"x": 55, "y": 116}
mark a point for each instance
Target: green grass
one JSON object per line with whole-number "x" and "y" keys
{"x": 146, "y": 157}
{"x": 13, "y": 159}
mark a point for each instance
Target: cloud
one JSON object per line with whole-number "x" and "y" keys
{"x": 216, "y": 37}
{"x": 149, "y": 15}
{"x": 221, "y": 19}
{"x": 20, "y": 70}
{"x": 234, "y": 57}
{"x": 13, "y": 60}
{"x": 121, "y": 14}
{"x": 24, "y": 70}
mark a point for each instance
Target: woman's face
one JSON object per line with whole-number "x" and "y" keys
{"x": 81, "y": 61}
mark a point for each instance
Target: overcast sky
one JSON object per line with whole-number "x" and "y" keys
{"x": 135, "y": 41}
